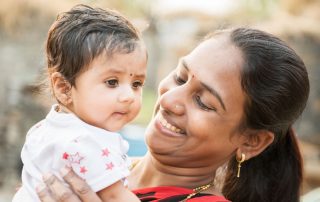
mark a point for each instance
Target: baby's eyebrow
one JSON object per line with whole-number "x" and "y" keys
{"x": 140, "y": 76}
{"x": 115, "y": 71}
{"x": 206, "y": 86}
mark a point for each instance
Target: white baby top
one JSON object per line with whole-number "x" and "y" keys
{"x": 97, "y": 155}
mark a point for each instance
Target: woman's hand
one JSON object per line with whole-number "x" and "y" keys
{"x": 54, "y": 190}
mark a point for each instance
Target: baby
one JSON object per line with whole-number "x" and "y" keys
{"x": 97, "y": 67}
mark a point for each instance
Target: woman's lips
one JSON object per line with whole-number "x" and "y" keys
{"x": 165, "y": 124}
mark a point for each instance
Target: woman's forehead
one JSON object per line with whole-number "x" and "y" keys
{"x": 217, "y": 63}
{"x": 215, "y": 55}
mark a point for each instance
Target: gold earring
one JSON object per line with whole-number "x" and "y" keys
{"x": 243, "y": 158}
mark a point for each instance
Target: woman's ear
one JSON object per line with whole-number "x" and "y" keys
{"x": 61, "y": 88}
{"x": 255, "y": 142}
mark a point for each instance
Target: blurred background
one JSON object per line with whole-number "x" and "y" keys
{"x": 171, "y": 28}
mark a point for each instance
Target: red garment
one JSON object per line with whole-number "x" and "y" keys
{"x": 174, "y": 194}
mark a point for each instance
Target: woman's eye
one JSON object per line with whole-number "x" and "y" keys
{"x": 112, "y": 83}
{"x": 202, "y": 105}
{"x": 179, "y": 80}
{"x": 137, "y": 84}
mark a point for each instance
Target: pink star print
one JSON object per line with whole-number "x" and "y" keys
{"x": 65, "y": 155}
{"x": 109, "y": 166}
{"x": 83, "y": 170}
{"x": 75, "y": 158}
{"x": 105, "y": 152}
{"x": 37, "y": 126}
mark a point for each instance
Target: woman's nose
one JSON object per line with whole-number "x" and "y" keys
{"x": 173, "y": 100}
{"x": 166, "y": 84}
{"x": 126, "y": 95}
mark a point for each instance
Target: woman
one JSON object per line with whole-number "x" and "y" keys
{"x": 232, "y": 101}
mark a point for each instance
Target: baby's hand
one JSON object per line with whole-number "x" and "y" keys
{"x": 54, "y": 190}
{"x": 18, "y": 187}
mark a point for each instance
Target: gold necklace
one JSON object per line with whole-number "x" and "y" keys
{"x": 199, "y": 189}
{"x": 195, "y": 190}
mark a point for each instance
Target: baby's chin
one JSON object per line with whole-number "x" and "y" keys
{"x": 114, "y": 128}
{"x": 111, "y": 127}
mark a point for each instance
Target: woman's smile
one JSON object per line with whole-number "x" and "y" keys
{"x": 167, "y": 127}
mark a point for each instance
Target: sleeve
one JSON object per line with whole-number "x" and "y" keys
{"x": 96, "y": 161}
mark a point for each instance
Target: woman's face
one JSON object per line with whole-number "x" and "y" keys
{"x": 200, "y": 107}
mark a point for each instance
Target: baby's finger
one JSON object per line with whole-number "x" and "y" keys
{"x": 58, "y": 190}
{"x": 79, "y": 186}
{"x": 44, "y": 193}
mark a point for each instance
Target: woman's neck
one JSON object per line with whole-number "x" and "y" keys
{"x": 149, "y": 172}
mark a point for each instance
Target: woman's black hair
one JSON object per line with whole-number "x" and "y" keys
{"x": 275, "y": 81}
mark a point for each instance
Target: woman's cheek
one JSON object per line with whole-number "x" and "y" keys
{"x": 200, "y": 124}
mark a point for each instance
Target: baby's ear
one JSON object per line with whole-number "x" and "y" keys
{"x": 61, "y": 88}
{"x": 255, "y": 142}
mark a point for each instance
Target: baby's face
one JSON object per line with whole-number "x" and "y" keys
{"x": 108, "y": 95}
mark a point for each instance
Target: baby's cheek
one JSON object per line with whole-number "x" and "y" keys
{"x": 135, "y": 110}
{"x": 139, "y": 104}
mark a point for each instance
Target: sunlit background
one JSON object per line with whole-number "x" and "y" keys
{"x": 171, "y": 28}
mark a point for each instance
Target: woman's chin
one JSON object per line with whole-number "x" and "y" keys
{"x": 162, "y": 143}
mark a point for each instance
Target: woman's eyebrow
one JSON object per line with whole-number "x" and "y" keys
{"x": 209, "y": 88}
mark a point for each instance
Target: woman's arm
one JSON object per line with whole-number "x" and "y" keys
{"x": 54, "y": 190}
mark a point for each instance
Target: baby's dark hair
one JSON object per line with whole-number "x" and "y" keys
{"x": 82, "y": 34}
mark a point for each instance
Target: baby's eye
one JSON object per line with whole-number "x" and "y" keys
{"x": 137, "y": 84}
{"x": 179, "y": 80}
{"x": 112, "y": 83}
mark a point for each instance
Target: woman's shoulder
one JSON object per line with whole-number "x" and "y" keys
{"x": 173, "y": 194}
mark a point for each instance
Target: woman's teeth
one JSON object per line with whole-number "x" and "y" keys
{"x": 167, "y": 125}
